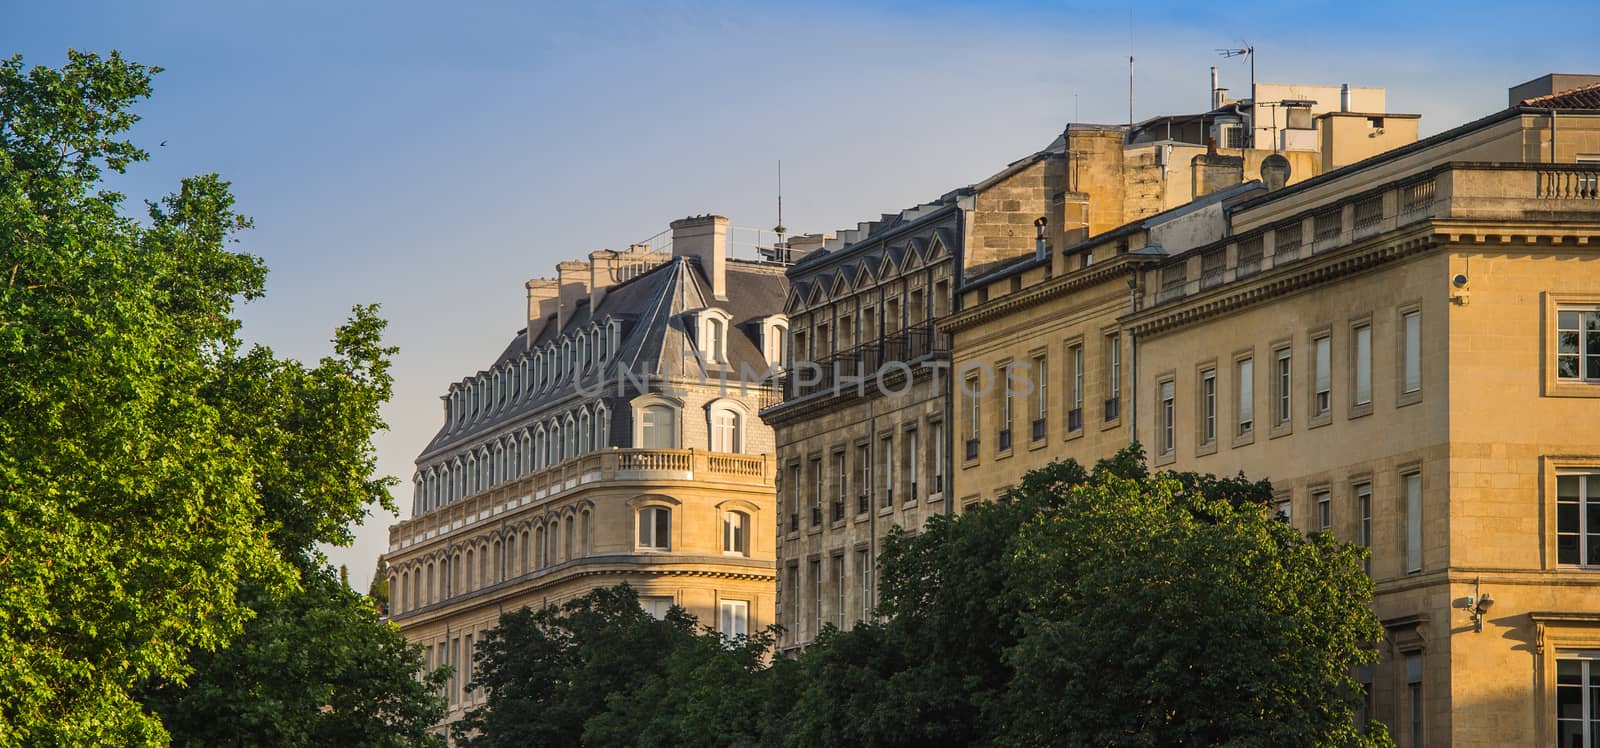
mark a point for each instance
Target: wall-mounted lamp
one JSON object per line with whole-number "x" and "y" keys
{"x": 1478, "y": 605}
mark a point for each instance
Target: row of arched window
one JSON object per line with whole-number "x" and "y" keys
{"x": 511, "y": 456}
{"x": 543, "y": 543}
{"x": 556, "y": 362}
{"x": 489, "y": 560}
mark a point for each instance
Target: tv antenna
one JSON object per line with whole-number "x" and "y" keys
{"x": 1246, "y": 51}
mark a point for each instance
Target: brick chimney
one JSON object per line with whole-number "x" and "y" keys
{"x": 574, "y": 280}
{"x": 705, "y": 238}
{"x": 543, "y": 294}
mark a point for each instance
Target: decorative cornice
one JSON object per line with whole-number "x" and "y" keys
{"x": 1051, "y": 289}
{"x": 1279, "y": 282}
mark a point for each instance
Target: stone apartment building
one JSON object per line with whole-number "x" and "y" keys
{"x": 1408, "y": 347}
{"x": 602, "y": 447}
{"x": 858, "y": 453}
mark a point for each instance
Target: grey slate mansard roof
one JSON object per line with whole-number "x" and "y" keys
{"x": 656, "y": 339}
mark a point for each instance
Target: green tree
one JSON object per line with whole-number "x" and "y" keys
{"x": 549, "y": 671}
{"x": 159, "y": 485}
{"x": 316, "y": 667}
{"x": 378, "y": 591}
{"x": 128, "y": 515}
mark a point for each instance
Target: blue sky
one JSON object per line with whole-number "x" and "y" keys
{"x": 433, "y": 156}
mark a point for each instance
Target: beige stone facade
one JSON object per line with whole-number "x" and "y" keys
{"x": 1401, "y": 348}
{"x": 615, "y": 440}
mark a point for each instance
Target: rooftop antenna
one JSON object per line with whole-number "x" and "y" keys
{"x": 781, "y": 253}
{"x": 1130, "y": 74}
{"x": 1250, "y": 52}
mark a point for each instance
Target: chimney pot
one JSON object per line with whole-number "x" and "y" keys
{"x": 705, "y": 238}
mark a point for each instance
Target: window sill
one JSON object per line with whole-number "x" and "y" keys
{"x": 1408, "y": 398}
{"x": 814, "y": 530}
{"x": 935, "y": 498}
{"x": 885, "y": 511}
{"x": 1165, "y": 459}
{"x": 1038, "y": 445}
{"x": 1206, "y": 448}
{"x": 1071, "y": 435}
{"x": 1003, "y": 454}
{"x": 1319, "y": 421}
{"x": 1245, "y": 439}
{"x": 836, "y": 524}
{"x": 909, "y": 504}
{"x": 1561, "y": 388}
{"x": 1283, "y": 429}
{"x": 1361, "y": 410}
{"x": 1111, "y": 424}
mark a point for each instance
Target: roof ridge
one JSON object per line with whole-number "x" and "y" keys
{"x": 1582, "y": 97}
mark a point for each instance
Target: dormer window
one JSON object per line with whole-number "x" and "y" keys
{"x": 775, "y": 340}
{"x": 712, "y": 335}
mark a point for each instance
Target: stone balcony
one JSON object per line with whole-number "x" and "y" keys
{"x": 550, "y": 484}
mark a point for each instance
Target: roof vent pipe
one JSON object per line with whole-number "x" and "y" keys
{"x": 1344, "y": 97}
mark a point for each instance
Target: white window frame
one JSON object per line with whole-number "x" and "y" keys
{"x": 734, "y": 617}
{"x": 1586, "y": 356}
{"x": 735, "y": 533}
{"x": 1322, "y": 367}
{"x": 648, "y": 529}
{"x": 1585, "y": 533}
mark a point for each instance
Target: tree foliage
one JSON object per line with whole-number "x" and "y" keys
{"x": 1084, "y": 608}
{"x": 159, "y": 483}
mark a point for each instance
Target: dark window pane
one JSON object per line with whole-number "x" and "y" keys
{"x": 663, "y": 527}
{"x": 1567, "y": 320}
{"x": 1567, "y": 549}
{"x": 1594, "y": 342}
{"x": 1569, "y": 702}
{"x": 1566, "y": 517}
{"x": 1569, "y": 671}
{"x": 1567, "y": 367}
{"x": 1568, "y": 342}
{"x": 1594, "y": 550}
{"x": 1571, "y": 734}
{"x": 1567, "y": 487}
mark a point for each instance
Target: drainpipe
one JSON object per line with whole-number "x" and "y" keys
{"x": 1552, "y": 135}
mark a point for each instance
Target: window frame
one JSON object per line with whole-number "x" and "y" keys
{"x": 1549, "y": 356}
{"x": 1244, "y": 403}
{"x": 1166, "y": 419}
{"x": 1320, "y": 405}
{"x": 1407, "y": 350}
{"x": 1282, "y": 390}
{"x": 1206, "y": 408}
{"x": 655, "y": 541}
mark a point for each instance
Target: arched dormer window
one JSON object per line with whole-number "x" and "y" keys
{"x": 775, "y": 340}
{"x": 536, "y": 382}
{"x": 497, "y": 468}
{"x": 655, "y": 420}
{"x": 602, "y": 426}
{"x": 538, "y": 448}
{"x": 569, "y": 447}
{"x": 555, "y": 443}
{"x": 566, "y": 360}
{"x": 419, "y": 494}
{"x": 585, "y": 435}
{"x": 711, "y": 335}
{"x": 472, "y": 476}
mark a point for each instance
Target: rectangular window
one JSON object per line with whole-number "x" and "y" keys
{"x": 1284, "y": 385}
{"x": 735, "y": 617}
{"x": 1324, "y": 510}
{"x": 1363, "y": 363}
{"x": 1364, "y": 513}
{"x": 655, "y": 528}
{"x": 1578, "y": 519}
{"x": 913, "y": 465}
{"x": 1003, "y": 387}
{"x": 887, "y": 455}
{"x": 1113, "y": 377}
{"x": 1411, "y": 352}
{"x": 1322, "y": 401}
{"x": 974, "y": 410}
{"x": 864, "y": 482}
{"x": 816, "y": 486}
{"x": 841, "y": 477}
{"x": 1283, "y": 508}
{"x": 1578, "y": 344}
{"x": 864, "y": 573}
{"x": 1168, "y": 413}
{"x": 1413, "y": 484}
{"x": 791, "y": 601}
{"x": 1041, "y": 395}
{"x": 793, "y": 490}
{"x": 455, "y": 676}
{"x": 938, "y": 457}
{"x": 841, "y": 589}
{"x": 1245, "y": 374}
{"x": 1075, "y": 417}
{"x": 1414, "y": 697}
{"x": 816, "y": 597}
{"x": 1578, "y": 701}
{"x": 1208, "y": 406}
